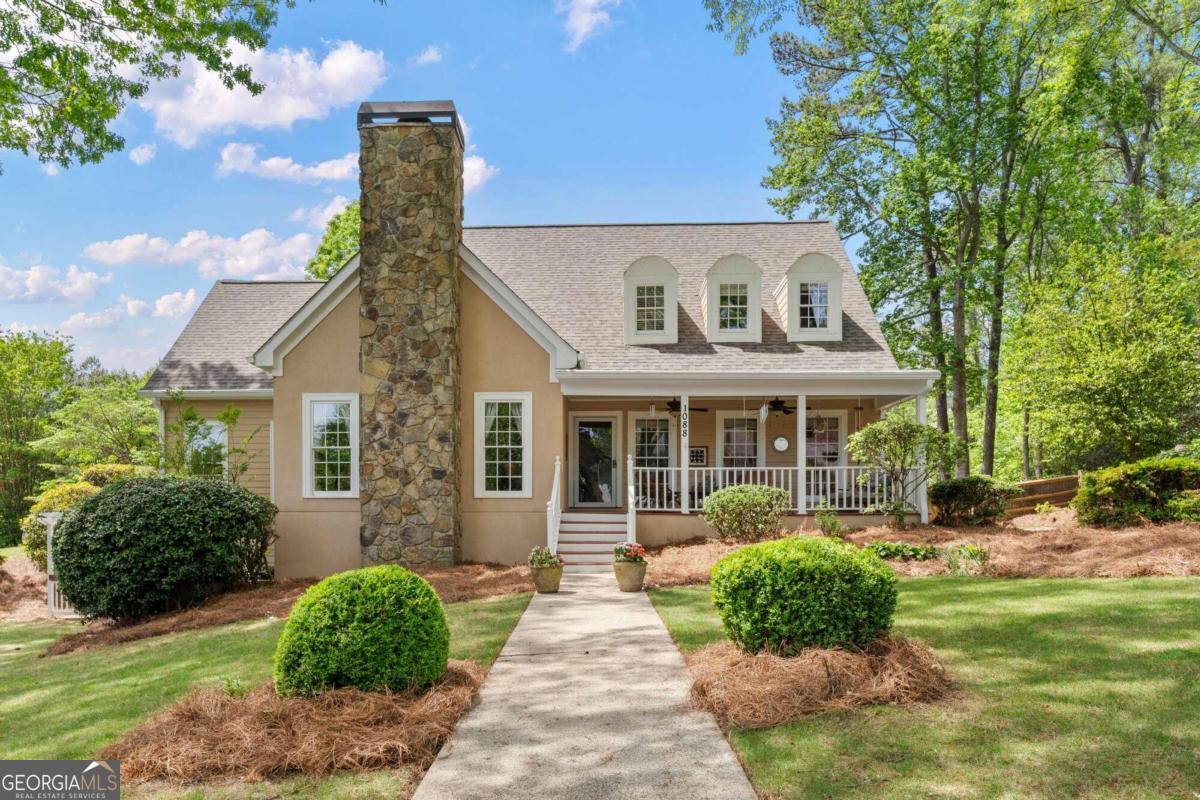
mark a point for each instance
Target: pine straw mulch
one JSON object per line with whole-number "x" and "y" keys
{"x": 211, "y": 735}
{"x": 749, "y": 691}
{"x": 453, "y": 584}
{"x": 22, "y": 590}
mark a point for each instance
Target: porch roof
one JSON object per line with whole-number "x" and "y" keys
{"x": 895, "y": 383}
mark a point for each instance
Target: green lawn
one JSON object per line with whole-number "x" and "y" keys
{"x": 1067, "y": 688}
{"x": 72, "y": 705}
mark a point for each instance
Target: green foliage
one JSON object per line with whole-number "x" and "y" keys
{"x": 746, "y": 512}
{"x": 827, "y": 520}
{"x": 1150, "y": 490}
{"x": 542, "y": 557}
{"x": 1189, "y": 450}
{"x": 104, "y": 474}
{"x": 967, "y": 559}
{"x": 195, "y": 447}
{"x": 1185, "y": 506}
{"x": 974, "y": 500}
{"x": 60, "y": 497}
{"x": 142, "y": 546}
{"x": 902, "y": 551}
{"x": 104, "y": 422}
{"x": 35, "y": 378}
{"x": 799, "y": 592}
{"x": 906, "y": 452}
{"x": 338, "y": 245}
{"x": 1045, "y": 508}
{"x": 375, "y": 629}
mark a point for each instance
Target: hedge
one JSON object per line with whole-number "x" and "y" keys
{"x": 973, "y": 499}
{"x": 1151, "y": 490}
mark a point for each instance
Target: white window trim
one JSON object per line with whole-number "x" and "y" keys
{"x": 733, "y": 269}
{"x": 842, "y": 417}
{"x": 307, "y": 399}
{"x": 720, "y": 436}
{"x": 573, "y": 419}
{"x": 526, "y": 401}
{"x": 672, "y": 427}
{"x": 652, "y": 271}
{"x": 811, "y": 268}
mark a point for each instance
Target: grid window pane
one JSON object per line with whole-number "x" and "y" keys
{"x": 652, "y": 443}
{"x": 823, "y": 438}
{"x": 740, "y": 439}
{"x": 206, "y": 450}
{"x": 503, "y": 447}
{"x": 734, "y": 307}
{"x": 650, "y": 309}
{"x": 813, "y": 311}
{"x": 332, "y": 456}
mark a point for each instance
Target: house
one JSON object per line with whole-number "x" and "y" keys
{"x": 468, "y": 393}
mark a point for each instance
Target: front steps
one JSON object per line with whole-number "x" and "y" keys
{"x": 586, "y": 540}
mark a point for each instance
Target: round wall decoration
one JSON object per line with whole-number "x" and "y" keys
{"x": 780, "y": 444}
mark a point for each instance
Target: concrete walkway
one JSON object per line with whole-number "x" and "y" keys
{"x": 589, "y": 699}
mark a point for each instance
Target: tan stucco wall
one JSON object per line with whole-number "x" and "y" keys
{"x": 255, "y": 419}
{"x": 497, "y": 356}
{"x": 317, "y": 536}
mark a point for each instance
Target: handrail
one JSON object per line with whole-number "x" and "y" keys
{"x": 630, "y": 504}
{"x": 554, "y": 508}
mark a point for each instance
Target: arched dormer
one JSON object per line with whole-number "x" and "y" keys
{"x": 732, "y": 300}
{"x": 810, "y": 299}
{"x": 651, "y": 302}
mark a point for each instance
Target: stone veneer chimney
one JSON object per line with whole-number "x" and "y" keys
{"x": 410, "y": 178}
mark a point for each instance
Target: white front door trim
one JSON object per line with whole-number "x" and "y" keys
{"x": 574, "y": 418}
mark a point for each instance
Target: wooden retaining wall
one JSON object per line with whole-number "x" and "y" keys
{"x": 1056, "y": 491}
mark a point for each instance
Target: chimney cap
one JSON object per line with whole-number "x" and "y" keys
{"x": 435, "y": 112}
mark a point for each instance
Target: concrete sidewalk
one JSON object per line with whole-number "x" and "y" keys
{"x": 589, "y": 699}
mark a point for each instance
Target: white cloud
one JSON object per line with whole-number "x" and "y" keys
{"x": 318, "y": 216}
{"x": 50, "y": 169}
{"x": 430, "y": 55}
{"x": 585, "y": 18}
{"x": 175, "y": 304}
{"x": 42, "y": 284}
{"x": 143, "y": 154}
{"x": 256, "y": 254}
{"x": 104, "y": 320}
{"x": 237, "y": 157}
{"x": 477, "y": 172}
{"x": 298, "y": 87}
{"x": 134, "y": 359}
{"x": 133, "y": 306}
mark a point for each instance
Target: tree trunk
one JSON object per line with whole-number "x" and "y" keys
{"x": 1025, "y": 445}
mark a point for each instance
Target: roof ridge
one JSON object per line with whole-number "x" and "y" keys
{"x": 654, "y": 224}
{"x": 251, "y": 282}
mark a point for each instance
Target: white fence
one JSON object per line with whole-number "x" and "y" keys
{"x": 56, "y": 604}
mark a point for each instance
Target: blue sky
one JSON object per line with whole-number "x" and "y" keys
{"x": 578, "y": 111}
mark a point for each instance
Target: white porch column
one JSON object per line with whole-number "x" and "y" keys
{"x": 684, "y": 456}
{"x": 922, "y": 494}
{"x": 801, "y": 454}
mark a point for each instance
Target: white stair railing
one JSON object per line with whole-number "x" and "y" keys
{"x": 554, "y": 508}
{"x": 56, "y": 604}
{"x": 630, "y": 503}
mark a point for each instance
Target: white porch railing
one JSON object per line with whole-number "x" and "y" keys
{"x": 554, "y": 508}
{"x": 851, "y": 488}
{"x": 630, "y": 504}
{"x": 56, "y": 603}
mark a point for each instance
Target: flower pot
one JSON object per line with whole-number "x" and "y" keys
{"x": 547, "y": 579}
{"x": 630, "y": 575}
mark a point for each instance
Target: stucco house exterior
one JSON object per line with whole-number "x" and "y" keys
{"x": 467, "y": 393}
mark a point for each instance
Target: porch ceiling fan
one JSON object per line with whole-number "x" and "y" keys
{"x": 779, "y": 405}
{"x": 674, "y": 406}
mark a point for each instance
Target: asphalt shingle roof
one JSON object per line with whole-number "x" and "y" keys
{"x": 572, "y": 277}
{"x": 233, "y": 321}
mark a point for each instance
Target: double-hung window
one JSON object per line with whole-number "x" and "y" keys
{"x": 733, "y": 307}
{"x": 207, "y": 449}
{"x": 741, "y": 441}
{"x": 650, "y": 309}
{"x": 812, "y": 305}
{"x": 503, "y": 444}
{"x": 330, "y": 445}
{"x": 652, "y": 442}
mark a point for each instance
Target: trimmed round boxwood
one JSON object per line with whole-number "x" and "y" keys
{"x": 141, "y": 546}
{"x": 788, "y": 594}
{"x": 375, "y": 629}
{"x": 973, "y": 499}
{"x": 746, "y": 511}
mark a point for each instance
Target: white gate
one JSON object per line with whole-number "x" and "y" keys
{"x": 56, "y": 605}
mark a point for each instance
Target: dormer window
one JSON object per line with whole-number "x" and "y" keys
{"x": 810, "y": 299}
{"x": 732, "y": 301}
{"x": 651, "y": 302}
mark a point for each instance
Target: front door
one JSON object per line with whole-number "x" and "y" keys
{"x": 595, "y": 457}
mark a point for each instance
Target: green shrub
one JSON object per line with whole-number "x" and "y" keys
{"x": 1189, "y": 450}
{"x": 974, "y": 499}
{"x": 1185, "y": 506}
{"x": 104, "y": 474}
{"x": 967, "y": 559}
{"x": 1146, "y": 490}
{"x": 799, "y": 592}
{"x": 60, "y": 497}
{"x": 746, "y": 512}
{"x": 902, "y": 551}
{"x": 827, "y": 520}
{"x": 376, "y": 629}
{"x": 142, "y": 546}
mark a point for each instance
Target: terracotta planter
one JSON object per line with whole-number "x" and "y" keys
{"x": 547, "y": 579}
{"x": 630, "y": 575}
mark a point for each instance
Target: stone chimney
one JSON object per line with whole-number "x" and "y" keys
{"x": 410, "y": 178}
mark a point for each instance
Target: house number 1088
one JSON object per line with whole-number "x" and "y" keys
{"x": 683, "y": 422}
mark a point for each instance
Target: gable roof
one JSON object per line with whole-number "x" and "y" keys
{"x": 572, "y": 277}
{"x": 235, "y": 318}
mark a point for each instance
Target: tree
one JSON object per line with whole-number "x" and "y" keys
{"x": 68, "y": 69}
{"x": 105, "y": 422}
{"x": 35, "y": 375}
{"x": 338, "y": 245}
{"x": 196, "y": 448}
